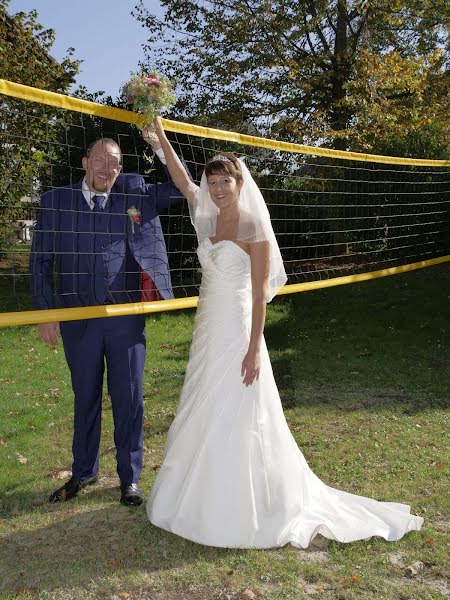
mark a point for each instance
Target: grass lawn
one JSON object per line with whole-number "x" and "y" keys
{"x": 364, "y": 375}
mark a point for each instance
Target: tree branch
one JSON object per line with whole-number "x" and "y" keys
{"x": 317, "y": 29}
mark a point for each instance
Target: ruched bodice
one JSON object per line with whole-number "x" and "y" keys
{"x": 225, "y": 291}
{"x": 224, "y": 265}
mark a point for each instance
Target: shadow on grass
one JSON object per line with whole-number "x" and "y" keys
{"x": 68, "y": 554}
{"x": 379, "y": 344}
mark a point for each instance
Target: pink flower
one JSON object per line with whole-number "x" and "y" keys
{"x": 151, "y": 81}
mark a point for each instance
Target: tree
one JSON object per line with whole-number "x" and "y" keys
{"x": 347, "y": 73}
{"x": 27, "y": 127}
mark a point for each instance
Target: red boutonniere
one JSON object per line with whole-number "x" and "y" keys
{"x": 135, "y": 217}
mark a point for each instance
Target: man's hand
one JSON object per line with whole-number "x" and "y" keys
{"x": 49, "y": 333}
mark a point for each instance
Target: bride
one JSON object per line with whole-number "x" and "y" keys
{"x": 232, "y": 474}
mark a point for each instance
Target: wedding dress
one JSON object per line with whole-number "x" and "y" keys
{"x": 232, "y": 474}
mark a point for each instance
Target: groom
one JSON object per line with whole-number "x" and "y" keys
{"x": 99, "y": 235}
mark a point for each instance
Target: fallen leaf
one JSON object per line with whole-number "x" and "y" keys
{"x": 26, "y": 591}
{"x": 2, "y": 541}
{"x": 414, "y": 569}
{"x": 437, "y": 465}
{"x": 115, "y": 562}
{"x": 124, "y": 595}
{"x": 22, "y": 459}
{"x": 315, "y": 588}
{"x": 429, "y": 542}
{"x": 156, "y": 467}
{"x": 351, "y": 580}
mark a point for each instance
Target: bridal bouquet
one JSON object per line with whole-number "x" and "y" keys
{"x": 148, "y": 94}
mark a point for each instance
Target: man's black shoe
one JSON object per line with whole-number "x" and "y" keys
{"x": 130, "y": 494}
{"x": 70, "y": 489}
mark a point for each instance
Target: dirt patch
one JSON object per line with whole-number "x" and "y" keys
{"x": 313, "y": 556}
{"x": 396, "y": 558}
{"x": 443, "y": 525}
{"x": 441, "y": 585}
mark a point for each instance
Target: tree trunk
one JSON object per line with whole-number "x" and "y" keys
{"x": 341, "y": 72}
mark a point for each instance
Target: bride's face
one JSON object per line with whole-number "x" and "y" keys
{"x": 224, "y": 190}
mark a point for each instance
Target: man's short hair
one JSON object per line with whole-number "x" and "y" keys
{"x": 103, "y": 141}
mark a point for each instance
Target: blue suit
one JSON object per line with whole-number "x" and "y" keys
{"x": 97, "y": 256}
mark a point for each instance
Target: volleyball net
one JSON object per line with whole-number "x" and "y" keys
{"x": 339, "y": 217}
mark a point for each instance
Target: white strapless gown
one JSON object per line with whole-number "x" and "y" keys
{"x": 233, "y": 475}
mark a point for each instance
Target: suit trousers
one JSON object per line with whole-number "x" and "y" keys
{"x": 88, "y": 345}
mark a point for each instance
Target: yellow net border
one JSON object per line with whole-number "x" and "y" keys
{"x": 25, "y": 92}
{"x": 114, "y": 310}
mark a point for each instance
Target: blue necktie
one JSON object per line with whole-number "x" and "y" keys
{"x": 99, "y": 269}
{"x": 97, "y": 200}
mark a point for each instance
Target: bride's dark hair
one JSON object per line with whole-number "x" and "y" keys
{"x": 224, "y": 163}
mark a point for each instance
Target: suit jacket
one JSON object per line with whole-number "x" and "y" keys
{"x": 97, "y": 258}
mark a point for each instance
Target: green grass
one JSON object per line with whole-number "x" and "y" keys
{"x": 364, "y": 375}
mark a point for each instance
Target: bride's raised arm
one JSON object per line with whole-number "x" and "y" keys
{"x": 175, "y": 167}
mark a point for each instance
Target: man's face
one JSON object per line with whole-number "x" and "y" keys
{"x": 102, "y": 166}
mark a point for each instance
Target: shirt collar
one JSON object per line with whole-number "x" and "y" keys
{"x": 88, "y": 195}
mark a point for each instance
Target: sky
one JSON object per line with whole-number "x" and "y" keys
{"x": 109, "y": 41}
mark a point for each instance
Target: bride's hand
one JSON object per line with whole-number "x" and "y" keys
{"x": 150, "y": 134}
{"x": 250, "y": 367}
{"x": 157, "y": 127}
{"x": 154, "y": 130}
